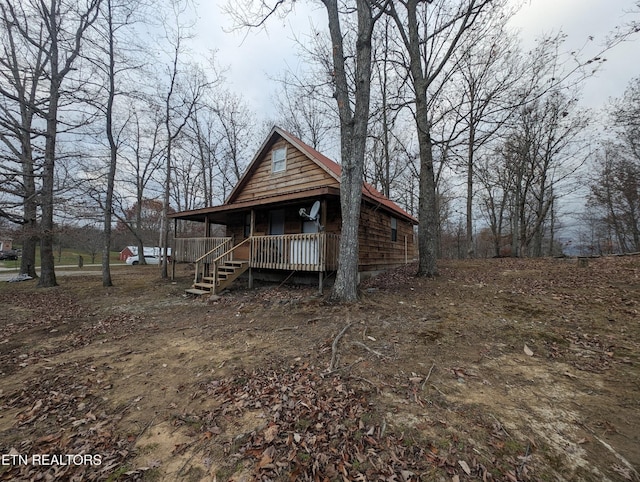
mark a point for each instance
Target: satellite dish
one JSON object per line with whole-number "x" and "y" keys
{"x": 315, "y": 209}
{"x": 313, "y": 214}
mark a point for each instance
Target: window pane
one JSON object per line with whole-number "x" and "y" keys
{"x": 278, "y": 160}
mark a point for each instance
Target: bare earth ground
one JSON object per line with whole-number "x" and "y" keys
{"x": 499, "y": 369}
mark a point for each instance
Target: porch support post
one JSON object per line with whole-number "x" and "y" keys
{"x": 207, "y": 227}
{"x": 320, "y": 281}
{"x": 252, "y": 227}
{"x": 323, "y": 214}
{"x": 173, "y": 255}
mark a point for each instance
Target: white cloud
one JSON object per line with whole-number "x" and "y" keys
{"x": 256, "y": 56}
{"x": 582, "y": 20}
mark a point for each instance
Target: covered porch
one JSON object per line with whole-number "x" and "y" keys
{"x": 218, "y": 261}
{"x": 269, "y": 234}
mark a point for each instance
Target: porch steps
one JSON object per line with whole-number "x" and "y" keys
{"x": 227, "y": 274}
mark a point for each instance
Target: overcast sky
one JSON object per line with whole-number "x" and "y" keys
{"x": 257, "y": 56}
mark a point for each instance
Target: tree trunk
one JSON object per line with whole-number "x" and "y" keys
{"x": 113, "y": 155}
{"x": 47, "y": 269}
{"x": 29, "y": 229}
{"x": 427, "y": 204}
{"x": 470, "y": 168}
{"x": 353, "y": 137}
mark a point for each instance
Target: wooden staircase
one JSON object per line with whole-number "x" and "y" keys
{"x": 225, "y": 271}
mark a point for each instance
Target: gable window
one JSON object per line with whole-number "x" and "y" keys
{"x": 279, "y": 159}
{"x": 394, "y": 229}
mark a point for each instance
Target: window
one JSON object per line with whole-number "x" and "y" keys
{"x": 279, "y": 159}
{"x": 394, "y": 229}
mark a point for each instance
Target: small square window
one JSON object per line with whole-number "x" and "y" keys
{"x": 279, "y": 159}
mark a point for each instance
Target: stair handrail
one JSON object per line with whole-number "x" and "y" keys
{"x": 197, "y": 262}
{"x": 217, "y": 260}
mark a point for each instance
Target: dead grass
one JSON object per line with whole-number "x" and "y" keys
{"x": 166, "y": 387}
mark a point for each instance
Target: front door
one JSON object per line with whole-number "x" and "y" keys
{"x": 276, "y": 222}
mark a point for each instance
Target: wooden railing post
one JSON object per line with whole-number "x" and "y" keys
{"x": 215, "y": 277}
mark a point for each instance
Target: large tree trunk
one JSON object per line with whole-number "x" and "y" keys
{"x": 353, "y": 138}
{"x": 30, "y": 224}
{"x": 47, "y": 269}
{"x": 427, "y": 204}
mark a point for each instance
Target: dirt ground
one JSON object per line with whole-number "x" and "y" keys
{"x": 502, "y": 369}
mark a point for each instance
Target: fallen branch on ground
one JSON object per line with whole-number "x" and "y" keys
{"x": 362, "y": 345}
{"x": 334, "y": 347}
{"x": 428, "y": 375}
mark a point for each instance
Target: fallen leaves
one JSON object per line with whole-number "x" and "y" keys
{"x": 317, "y": 427}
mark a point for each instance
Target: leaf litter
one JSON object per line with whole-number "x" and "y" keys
{"x": 430, "y": 382}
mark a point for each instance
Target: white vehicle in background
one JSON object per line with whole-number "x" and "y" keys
{"x": 149, "y": 259}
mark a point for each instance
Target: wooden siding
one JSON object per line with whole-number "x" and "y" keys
{"x": 300, "y": 173}
{"x": 376, "y": 249}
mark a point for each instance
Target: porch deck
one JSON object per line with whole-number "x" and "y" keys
{"x": 214, "y": 257}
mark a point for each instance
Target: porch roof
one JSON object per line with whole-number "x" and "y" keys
{"x": 218, "y": 214}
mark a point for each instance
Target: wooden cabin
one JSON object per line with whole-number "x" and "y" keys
{"x": 270, "y": 228}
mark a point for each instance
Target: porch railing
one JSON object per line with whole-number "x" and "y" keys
{"x": 300, "y": 252}
{"x": 189, "y": 250}
{"x": 204, "y": 261}
{"x": 226, "y": 256}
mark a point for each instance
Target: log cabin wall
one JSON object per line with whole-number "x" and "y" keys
{"x": 377, "y": 251}
{"x": 300, "y": 173}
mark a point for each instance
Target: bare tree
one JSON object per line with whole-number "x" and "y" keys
{"x": 351, "y": 84}
{"x": 303, "y": 110}
{"x": 23, "y": 70}
{"x": 487, "y": 71}
{"x": 141, "y": 157}
{"x": 431, "y": 33}
{"x": 66, "y": 25}
{"x": 354, "y": 118}
{"x": 543, "y": 150}
{"x": 112, "y": 47}
{"x": 615, "y": 187}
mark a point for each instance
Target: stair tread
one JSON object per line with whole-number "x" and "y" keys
{"x": 195, "y": 291}
{"x": 203, "y": 285}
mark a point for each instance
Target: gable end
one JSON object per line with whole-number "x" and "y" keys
{"x": 269, "y": 175}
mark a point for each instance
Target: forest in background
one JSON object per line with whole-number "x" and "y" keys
{"x": 110, "y": 119}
